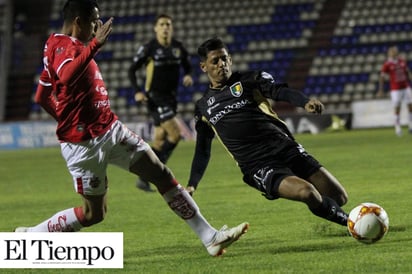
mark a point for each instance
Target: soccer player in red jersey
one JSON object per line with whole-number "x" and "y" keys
{"x": 399, "y": 79}
{"x": 72, "y": 90}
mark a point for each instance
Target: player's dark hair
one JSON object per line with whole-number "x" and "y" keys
{"x": 209, "y": 45}
{"x": 82, "y": 8}
{"x": 162, "y": 15}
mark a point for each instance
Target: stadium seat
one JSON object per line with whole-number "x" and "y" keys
{"x": 265, "y": 35}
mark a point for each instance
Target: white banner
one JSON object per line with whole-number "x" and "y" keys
{"x": 61, "y": 250}
{"x": 376, "y": 113}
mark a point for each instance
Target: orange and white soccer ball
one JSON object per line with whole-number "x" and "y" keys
{"x": 368, "y": 223}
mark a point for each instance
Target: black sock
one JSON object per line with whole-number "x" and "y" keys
{"x": 158, "y": 154}
{"x": 331, "y": 211}
{"x": 166, "y": 151}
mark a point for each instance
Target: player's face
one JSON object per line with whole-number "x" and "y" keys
{"x": 88, "y": 27}
{"x": 393, "y": 52}
{"x": 218, "y": 67}
{"x": 163, "y": 28}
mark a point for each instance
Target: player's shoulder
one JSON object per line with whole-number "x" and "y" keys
{"x": 252, "y": 75}
{"x": 62, "y": 38}
{"x": 151, "y": 43}
{"x": 249, "y": 74}
{"x": 57, "y": 40}
{"x": 148, "y": 45}
{"x": 203, "y": 100}
{"x": 176, "y": 42}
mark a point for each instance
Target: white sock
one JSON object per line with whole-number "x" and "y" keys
{"x": 397, "y": 120}
{"x": 63, "y": 221}
{"x": 180, "y": 201}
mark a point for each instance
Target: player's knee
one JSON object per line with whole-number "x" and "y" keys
{"x": 342, "y": 199}
{"x": 175, "y": 138}
{"x": 157, "y": 145}
{"x": 339, "y": 196}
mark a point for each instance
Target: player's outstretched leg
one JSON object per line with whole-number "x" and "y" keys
{"x": 150, "y": 168}
{"x": 68, "y": 220}
{"x": 215, "y": 241}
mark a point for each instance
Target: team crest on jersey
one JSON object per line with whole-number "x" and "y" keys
{"x": 94, "y": 182}
{"x": 176, "y": 52}
{"x": 59, "y": 50}
{"x": 236, "y": 89}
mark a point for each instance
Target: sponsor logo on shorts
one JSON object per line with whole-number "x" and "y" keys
{"x": 94, "y": 182}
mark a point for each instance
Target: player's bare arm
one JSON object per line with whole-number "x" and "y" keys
{"x": 187, "y": 80}
{"x": 140, "y": 97}
{"x": 380, "y": 92}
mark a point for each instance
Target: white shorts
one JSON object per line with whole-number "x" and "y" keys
{"x": 87, "y": 161}
{"x": 399, "y": 95}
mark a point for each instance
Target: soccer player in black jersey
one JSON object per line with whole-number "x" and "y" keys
{"x": 235, "y": 108}
{"x": 163, "y": 58}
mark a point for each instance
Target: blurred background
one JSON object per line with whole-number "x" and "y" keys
{"x": 330, "y": 49}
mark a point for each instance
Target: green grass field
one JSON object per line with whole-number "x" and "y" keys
{"x": 284, "y": 237}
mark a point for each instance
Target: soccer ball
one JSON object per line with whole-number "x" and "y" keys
{"x": 368, "y": 223}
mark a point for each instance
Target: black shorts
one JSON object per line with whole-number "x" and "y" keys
{"x": 293, "y": 162}
{"x": 161, "y": 113}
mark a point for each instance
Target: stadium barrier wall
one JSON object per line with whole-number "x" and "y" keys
{"x": 376, "y": 113}
{"x": 310, "y": 123}
{"x": 20, "y": 135}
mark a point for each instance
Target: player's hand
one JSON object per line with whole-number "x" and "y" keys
{"x": 314, "y": 106}
{"x": 140, "y": 97}
{"x": 187, "y": 80}
{"x": 103, "y": 31}
{"x": 191, "y": 190}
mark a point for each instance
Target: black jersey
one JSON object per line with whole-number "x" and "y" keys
{"x": 162, "y": 70}
{"x": 242, "y": 118}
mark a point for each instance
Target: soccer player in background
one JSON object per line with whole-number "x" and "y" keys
{"x": 236, "y": 109}
{"x": 163, "y": 58}
{"x": 400, "y": 88}
{"x": 72, "y": 90}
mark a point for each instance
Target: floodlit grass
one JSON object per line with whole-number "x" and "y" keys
{"x": 284, "y": 237}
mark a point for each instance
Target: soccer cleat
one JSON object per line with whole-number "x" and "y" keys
{"x": 21, "y": 229}
{"x": 145, "y": 186}
{"x": 225, "y": 237}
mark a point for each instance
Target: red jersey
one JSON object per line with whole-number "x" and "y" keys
{"x": 398, "y": 73}
{"x": 81, "y": 103}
